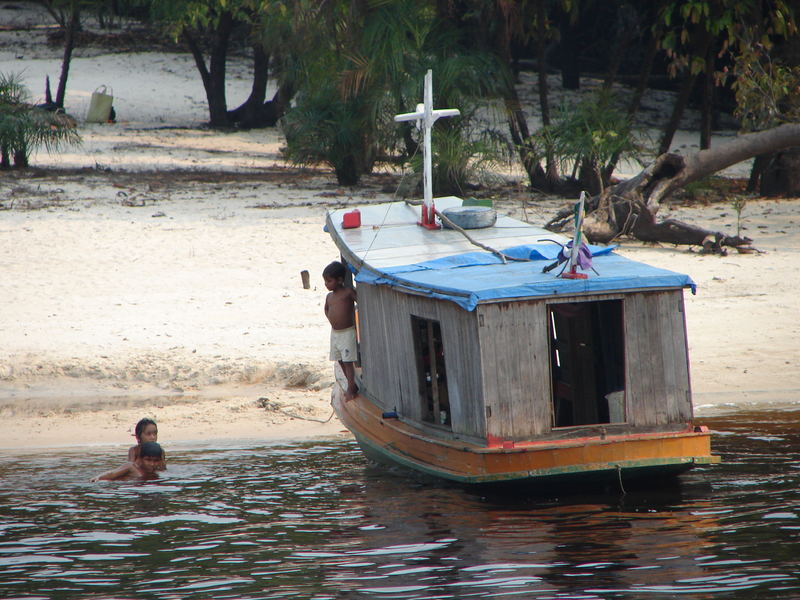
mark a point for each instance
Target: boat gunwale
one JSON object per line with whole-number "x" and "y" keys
{"x": 396, "y": 455}
{"x": 408, "y": 429}
{"x": 594, "y": 469}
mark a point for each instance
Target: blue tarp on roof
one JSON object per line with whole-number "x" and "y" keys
{"x": 474, "y": 277}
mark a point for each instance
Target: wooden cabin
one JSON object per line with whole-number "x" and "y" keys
{"x": 517, "y": 370}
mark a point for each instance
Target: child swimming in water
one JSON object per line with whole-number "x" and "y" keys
{"x": 146, "y": 430}
{"x": 145, "y": 466}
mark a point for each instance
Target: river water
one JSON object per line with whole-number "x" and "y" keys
{"x": 316, "y": 521}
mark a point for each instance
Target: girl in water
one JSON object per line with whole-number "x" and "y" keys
{"x": 146, "y": 430}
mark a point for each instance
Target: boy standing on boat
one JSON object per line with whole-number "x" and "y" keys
{"x": 341, "y": 312}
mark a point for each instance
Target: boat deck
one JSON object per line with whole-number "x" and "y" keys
{"x": 390, "y": 248}
{"x": 389, "y": 235}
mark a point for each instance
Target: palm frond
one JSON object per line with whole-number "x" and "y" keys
{"x": 25, "y": 127}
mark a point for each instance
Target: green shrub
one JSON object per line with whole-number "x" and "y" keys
{"x": 587, "y": 135}
{"x": 324, "y": 128}
{"x": 25, "y": 127}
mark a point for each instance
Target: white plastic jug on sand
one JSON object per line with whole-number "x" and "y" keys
{"x": 100, "y": 105}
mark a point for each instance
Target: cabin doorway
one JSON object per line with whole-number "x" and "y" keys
{"x": 431, "y": 370}
{"x": 587, "y": 357}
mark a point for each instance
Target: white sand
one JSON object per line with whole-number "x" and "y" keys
{"x": 126, "y": 296}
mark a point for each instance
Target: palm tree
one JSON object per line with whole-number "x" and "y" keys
{"x": 25, "y": 127}
{"x": 368, "y": 66}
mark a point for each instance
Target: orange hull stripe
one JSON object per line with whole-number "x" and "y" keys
{"x": 467, "y": 459}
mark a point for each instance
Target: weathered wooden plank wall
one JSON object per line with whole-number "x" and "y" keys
{"x": 514, "y": 345}
{"x": 676, "y": 357}
{"x": 389, "y": 363}
{"x": 657, "y": 374}
{"x": 498, "y": 356}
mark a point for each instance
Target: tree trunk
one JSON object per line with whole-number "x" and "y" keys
{"x": 274, "y": 109}
{"x": 568, "y": 54}
{"x": 743, "y": 147}
{"x": 706, "y": 114}
{"x": 248, "y": 115}
{"x": 781, "y": 176}
{"x": 217, "y": 62}
{"x": 69, "y": 44}
{"x": 682, "y": 100}
{"x": 677, "y": 113}
{"x": 624, "y": 34}
{"x": 21, "y": 160}
{"x": 213, "y": 75}
{"x": 347, "y": 171}
{"x": 518, "y": 126}
{"x": 636, "y": 99}
{"x": 515, "y": 116}
{"x": 760, "y": 164}
{"x": 630, "y": 207}
{"x": 254, "y": 112}
{"x": 551, "y": 170}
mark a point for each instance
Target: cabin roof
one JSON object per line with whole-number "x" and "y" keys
{"x": 389, "y": 248}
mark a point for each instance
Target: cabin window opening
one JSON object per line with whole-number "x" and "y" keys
{"x": 587, "y": 358}
{"x": 431, "y": 370}
{"x": 554, "y": 335}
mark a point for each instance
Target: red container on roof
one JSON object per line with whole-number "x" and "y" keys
{"x": 351, "y": 219}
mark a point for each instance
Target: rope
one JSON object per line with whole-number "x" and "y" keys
{"x": 503, "y": 257}
{"x": 296, "y": 416}
{"x": 274, "y": 406}
{"x": 388, "y": 207}
{"x": 472, "y": 241}
{"x": 450, "y": 223}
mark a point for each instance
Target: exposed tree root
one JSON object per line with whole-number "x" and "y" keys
{"x": 630, "y": 207}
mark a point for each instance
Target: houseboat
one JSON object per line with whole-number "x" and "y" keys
{"x": 480, "y": 362}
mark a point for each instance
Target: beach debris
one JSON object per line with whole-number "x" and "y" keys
{"x": 273, "y": 406}
{"x": 126, "y": 200}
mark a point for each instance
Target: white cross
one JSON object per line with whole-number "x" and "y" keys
{"x": 425, "y": 116}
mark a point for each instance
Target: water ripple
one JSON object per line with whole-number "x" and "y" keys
{"x": 317, "y": 521}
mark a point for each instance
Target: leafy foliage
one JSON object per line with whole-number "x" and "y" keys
{"x": 25, "y": 127}
{"x": 462, "y": 157}
{"x": 734, "y": 22}
{"x": 588, "y": 134}
{"x": 767, "y": 90}
{"x": 366, "y": 64}
{"x": 112, "y": 14}
{"x": 200, "y": 15}
{"x": 326, "y": 127}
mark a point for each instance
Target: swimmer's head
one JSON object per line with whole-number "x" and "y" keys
{"x": 151, "y": 450}
{"x": 146, "y": 431}
{"x": 151, "y": 457}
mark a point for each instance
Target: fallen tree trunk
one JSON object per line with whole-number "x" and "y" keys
{"x": 630, "y": 207}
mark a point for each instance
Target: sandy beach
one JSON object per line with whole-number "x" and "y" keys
{"x": 156, "y": 271}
